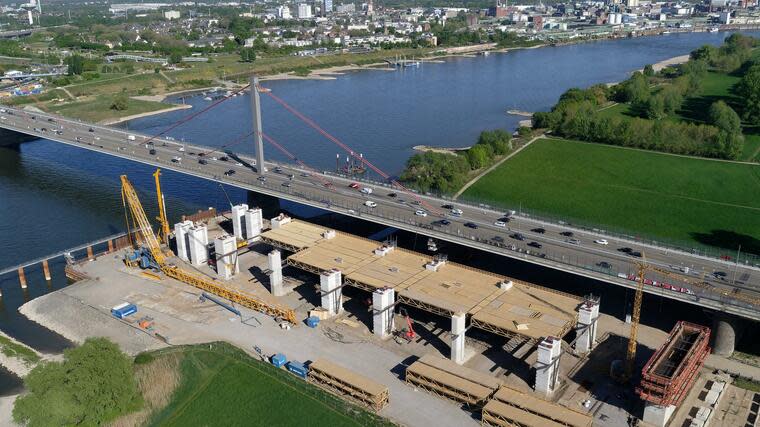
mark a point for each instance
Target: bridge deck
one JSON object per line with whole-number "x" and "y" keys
{"x": 524, "y": 309}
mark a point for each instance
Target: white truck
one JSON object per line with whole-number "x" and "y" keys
{"x": 131, "y": 137}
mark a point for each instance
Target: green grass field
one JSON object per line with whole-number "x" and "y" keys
{"x": 682, "y": 200}
{"x": 223, "y": 386}
{"x": 98, "y": 109}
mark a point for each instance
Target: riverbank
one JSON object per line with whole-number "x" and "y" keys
{"x": 173, "y": 107}
{"x": 444, "y": 150}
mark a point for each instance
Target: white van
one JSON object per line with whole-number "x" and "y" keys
{"x": 366, "y": 190}
{"x": 130, "y": 137}
{"x": 370, "y": 204}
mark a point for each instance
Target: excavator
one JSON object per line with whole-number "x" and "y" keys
{"x": 150, "y": 247}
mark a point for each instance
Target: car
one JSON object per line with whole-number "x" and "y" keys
{"x": 392, "y": 194}
{"x": 538, "y": 230}
{"x": 497, "y": 239}
{"x": 366, "y": 190}
{"x": 231, "y": 172}
{"x": 471, "y": 225}
{"x": 262, "y": 178}
{"x": 574, "y": 241}
{"x": 199, "y": 154}
{"x": 278, "y": 169}
{"x": 328, "y": 184}
{"x": 51, "y": 120}
{"x": 305, "y": 175}
{"x": 420, "y": 212}
{"x": 441, "y": 222}
{"x": 203, "y": 161}
{"x": 90, "y": 130}
{"x": 517, "y": 236}
{"x": 625, "y": 250}
{"x": 604, "y": 264}
{"x": 567, "y": 233}
{"x": 416, "y": 202}
{"x": 505, "y": 219}
{"x": 352, "y": 212}
{"x": 370, "y": 204}
{"x": 601, "y": 242}
{"x": 456, "y": 212}
{"x": 353, "y": 185}
{"x": 535, "y": 245}
{"x": 290, "y": 175}
{"x": 287, "y": 184}
{"x": 636, "y": 254}
{"x": 176, "y": 159}
{"x": 500, "y": 223}
{"x": 448, "y": 206}
{"x": 192, "y": 153}
{"x": 223, "y": 158}
{"x": 152, "y": 152}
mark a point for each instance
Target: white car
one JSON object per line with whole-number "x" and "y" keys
{"x": 456, "y": 212}
{"x": 238, "y": 164}
{"x": 420, "y": 212}
{"x": 370, "y": 204}
{"x": 500, "y": 224}
{"x": 601, "y": 242}
{"x": 366, "y": 190}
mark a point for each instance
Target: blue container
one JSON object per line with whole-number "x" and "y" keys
{"x": 123, "y": 310}
{"x": 279, "y": 360}
{"x": 297, "y": 368}
{"x": 312, "y": 321}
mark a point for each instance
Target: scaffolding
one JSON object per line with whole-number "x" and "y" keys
{"x": 510, "y": 407}
{"x": 672, "y": 369}
{"x": 445, "y": 378}
{"x": 348, "y": 384}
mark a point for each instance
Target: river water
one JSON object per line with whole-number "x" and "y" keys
{"x": 53, "y": 197}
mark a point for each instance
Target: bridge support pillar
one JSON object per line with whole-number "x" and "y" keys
{"x": 458, "y": 330}
{"x": 181, "y": 237}
{"x": 725, "y": 331}
{"x": 275, "y": 273}
{"x": 257, "y": 133}
{"x": 226, "y": 257}
{"x": 238, "y": 221}
{"x": 254, "y": 222}
{"x": 22, "y": 277}
{"x": 588, "y": 314}
{"x": 331, "y": 287}
{"x": 382, "y": 312}
{"x": 547, "y": 365}
{"x": 198, "y": 244}
{"x": 46, "y": 270}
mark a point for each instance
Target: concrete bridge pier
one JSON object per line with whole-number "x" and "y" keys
{"x": 726, "y": 330}
{"x": 13, "y": 140}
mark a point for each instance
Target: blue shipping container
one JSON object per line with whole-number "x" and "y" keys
{"x": 297, "y": 368}
{"x": 123, "y": 310}
{"x": 312, "y": 321}
{"x": 278, "y": 360}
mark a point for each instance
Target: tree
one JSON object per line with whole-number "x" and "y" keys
{"x": 175, "y": 57}
{"x": 120, "y": 102}
{"x": 748, "y": 90}
{"x": 477, "y": 155}
{"x": 704, "y": 53}
{"x": 725, "y": 118}
{"x": 93, "y": 385}
{"x": 636, "y": 89}
{"x": 648, "y": 70}
{"x": 247, "y": 54}
{"x": 75, "y": 65}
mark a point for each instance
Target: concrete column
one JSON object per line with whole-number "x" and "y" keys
{"x": 330, "y": 283}
{"x": 22, "y": 277}
{"x": 279, "y": 221}
{"x": 226, "y": 256}
{"x": 254, "y": 222}
{"x": 458, "y": 328}
{"x": 90, "y": 255}
{"x": 275, "y": 273}
{"x": 181, "y": 237}
{"x": 725, "y": 331}
{"x": 198, "y": 241}
{"x": 46, "y": 270}
{"x": 238, "y": 222}
{"x": 657, "y": 415}
{"x": 588, "y": 314}
{"x": 547, "y": 365}
{"x": 110, "y": 246}
{"x": 382, "y": 312}
{"x": 257, "y": 132}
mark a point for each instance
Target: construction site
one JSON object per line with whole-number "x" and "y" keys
{"x": 410, "y": 336}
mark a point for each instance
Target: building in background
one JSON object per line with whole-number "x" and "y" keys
{"x": 171, "y": 14}
{"x": 327, "y": 7}
{"x": 304, "y": 11}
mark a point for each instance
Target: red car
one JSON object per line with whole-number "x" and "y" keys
{"x": 354, "y": 185}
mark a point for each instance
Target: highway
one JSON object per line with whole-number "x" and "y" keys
{"x": 708, "y": 282}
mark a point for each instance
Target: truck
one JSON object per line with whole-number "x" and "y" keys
{"x": 297, "y": 368}
{"x": 131, "y": 137}
{"x": 123, "y": 310}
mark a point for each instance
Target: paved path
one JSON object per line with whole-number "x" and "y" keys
{"x": 494, "y": 166}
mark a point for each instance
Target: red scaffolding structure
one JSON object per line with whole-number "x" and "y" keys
{"x": 672, "y": 369}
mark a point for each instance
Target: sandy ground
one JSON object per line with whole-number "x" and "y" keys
{"x": 672, "y": 61}
{"x": 6, "y": 411}
{"x": 174, "y": 107}
{"x": 16, "y": 365}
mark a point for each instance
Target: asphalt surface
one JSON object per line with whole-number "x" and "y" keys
{"x": 710, "y": 282}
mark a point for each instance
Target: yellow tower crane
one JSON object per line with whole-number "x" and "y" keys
{"x": 630, "y": 356}
{"x": 145, "y": 234}
{"x": 164, "y": 231}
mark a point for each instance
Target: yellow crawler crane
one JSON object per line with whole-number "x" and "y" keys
{"x": 131, "y": 201}
{"x": 164, "y": 230}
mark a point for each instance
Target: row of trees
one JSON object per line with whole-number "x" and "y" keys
{"x": 576, "y": 115}
{"x": 445, "y": 173}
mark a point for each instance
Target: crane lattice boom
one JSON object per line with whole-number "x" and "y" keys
{"x": 130, "y": 199}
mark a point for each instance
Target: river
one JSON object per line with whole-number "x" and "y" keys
{"x": 54, "y": 197}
